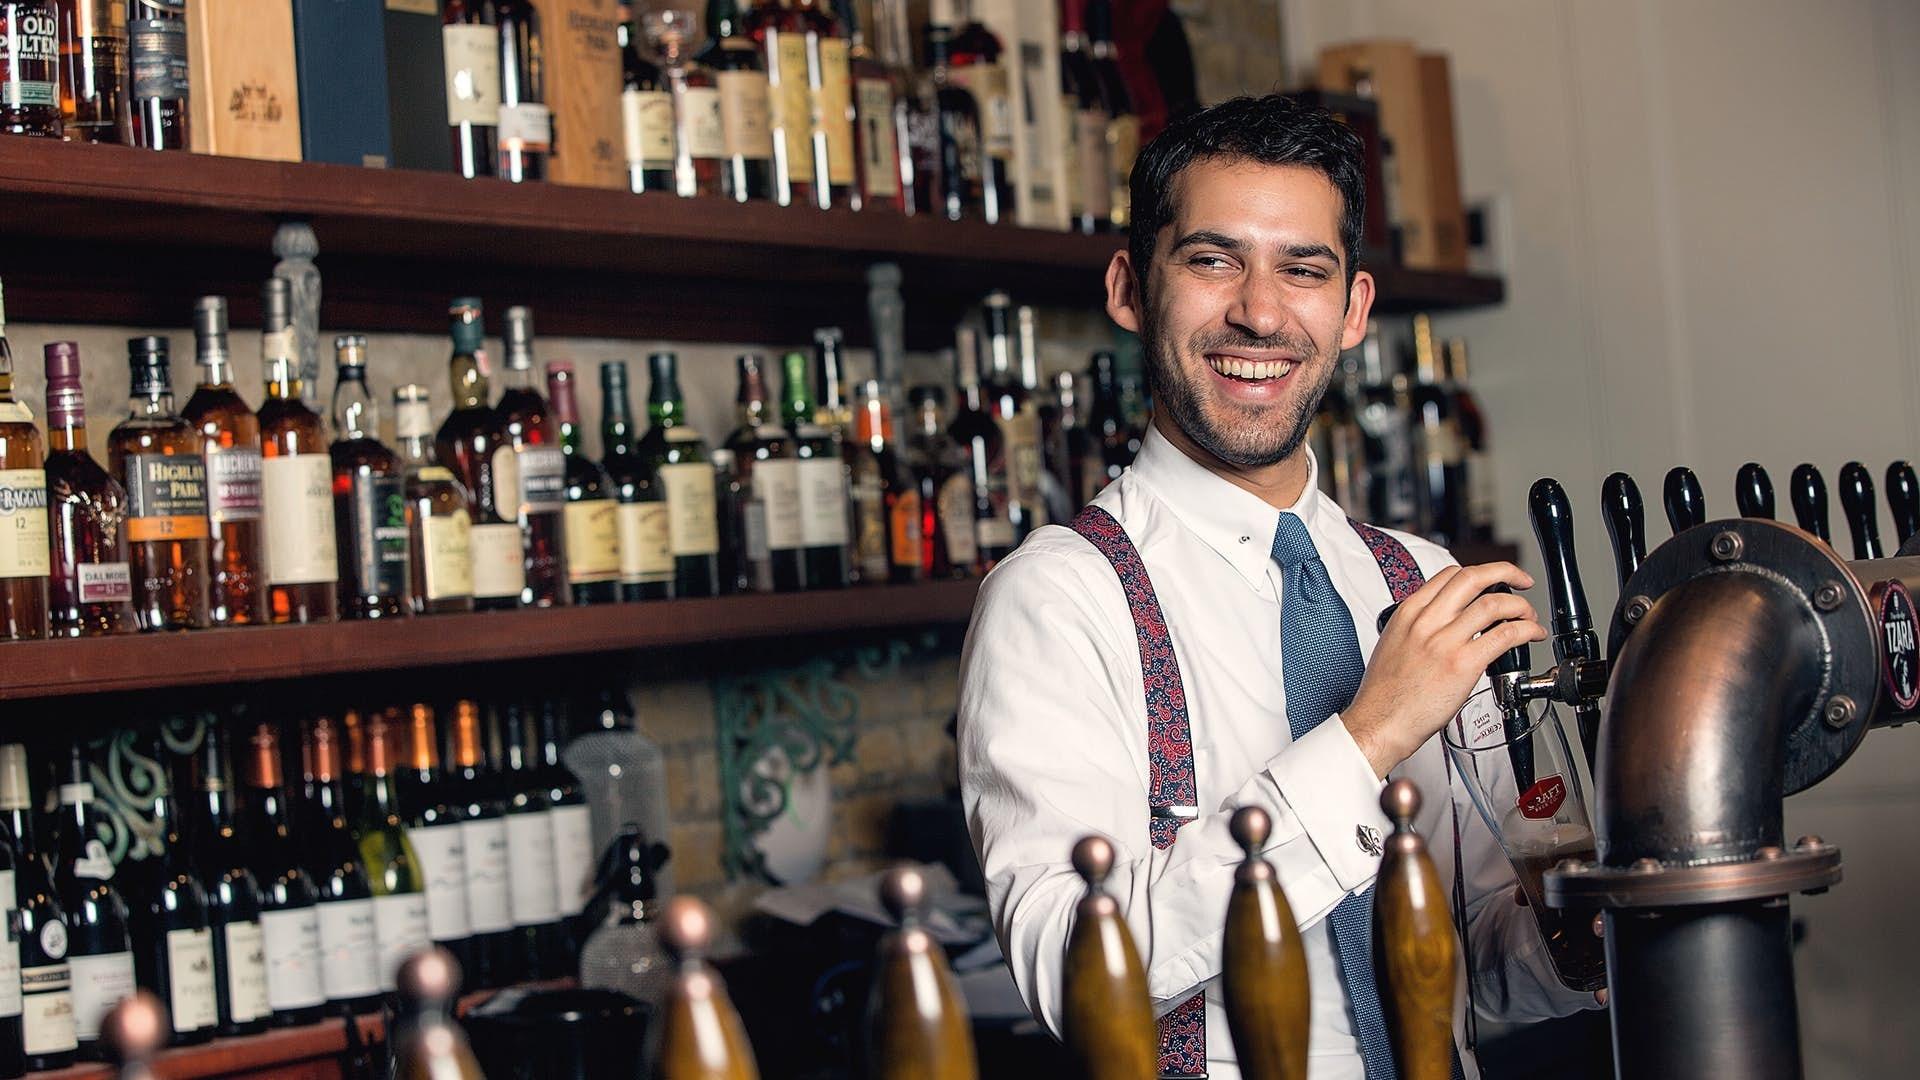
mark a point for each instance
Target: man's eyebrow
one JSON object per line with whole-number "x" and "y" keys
{"x": 1209, "y": 238}
{"x": 1312, "y": 251}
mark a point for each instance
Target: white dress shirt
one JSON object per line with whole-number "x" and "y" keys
{"x": 1053, "y": 746}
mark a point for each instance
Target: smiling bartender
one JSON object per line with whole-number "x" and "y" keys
{"x": 1249, "y": 599}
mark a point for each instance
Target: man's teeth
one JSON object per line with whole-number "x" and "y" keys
{"x": 1251, "y": 369}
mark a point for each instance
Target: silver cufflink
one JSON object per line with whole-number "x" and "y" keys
{"x": 1368, "y": 838}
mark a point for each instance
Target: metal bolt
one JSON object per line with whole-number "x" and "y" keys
{"x": 1828, "y": 596}
{"x": 1572, "y": 866}
{"x": 1727, "y": 546}
{"x": 1840, "y": 711}
{"x": 1636, "y": 609}
{"x": 1646, "y": 866}
{"x": 1600, "y": 925}
{"x": 1810, "y": 843}
{"x": 1769, "y": 853}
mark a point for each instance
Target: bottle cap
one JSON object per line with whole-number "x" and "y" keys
{"x": 665, "y": 369}
{"x": 566, "y": 407}
{"x": 210, "y": 330}
{"x": 921, "y": 395}
{"x": 350, "y": 352}
{"x": 519, "y": 338}
{"x": 829, "y": 336}
{"x": 14, "y": 789}
{"x": 613, "y": 376}
{"x": 148, "y": 360}
{"x": 469, "y": 324}
{"x": 276, "y": 305}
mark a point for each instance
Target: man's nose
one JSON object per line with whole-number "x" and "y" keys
{"x": 1259, "y": 308}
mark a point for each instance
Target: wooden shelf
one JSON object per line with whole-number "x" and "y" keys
{"x": 51, "y": 669}
{"x": 113, "y": 235}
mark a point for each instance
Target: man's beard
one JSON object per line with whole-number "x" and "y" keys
{"x": 1257, "y": 437}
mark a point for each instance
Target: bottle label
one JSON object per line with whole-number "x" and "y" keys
{"x": 166, "y": 497}
{"x": 442, "y": 853}
{"x": 488, "y": 906}
{"x": 46, "y": 1009}
{"x": 746, "y": 121}
{"x": 104, "y": 583}
{"x": 753, "y": 523}
{"x": 99, "y": 983}
{"x": 572, "y": 856}
{"x": 953, "y": 505}
{"x": 527, "y": 127}
{"x": 534, "y": 893}
{"x": 823, "y": 502}
{"x": 246, "y": 971}
{"x": 1096, "y": 174}
{"x": 193, "y": 1004}
{"x": 377, "y": 516}
{"x": 293, "y": 958}
{"x": 646, "y": 121}
{"x": 473, "y": 74}
{"x": 646, "y": 543}
{"x": 1020, "y": 434}
{"x": 791, "y": 102}
{"x": 879, "y": 146}
{"x": 233, "y": 491}
{"x": 593, "y": 541}
{"x": 297, "y": 495}
{"x": 702, "y": 127}
{"x": 993, "y": 532}
{"x": 23, "y": 523}
{"x": 9, "y": 948}
{"x": 870, "y": 537}
{"x": 349, "y": 949}
{"x": 447, "y": 541}
{"x": 29, "y": 58}
{"x": 904, "y": 518}
{"x": 776, "y": 487}
{"x": 694, "y": 528}
{"x": 499, "y": 564}
{"x": 400, "y": 924}
{"x": 834, "y": 104}
{"x": 542, "y": 473}
{"x": 1123, "y": 145}
{"x": 159, "y": 51}
{"x": 990, "y": 88}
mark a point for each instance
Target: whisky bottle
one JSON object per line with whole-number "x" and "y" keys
{"x": 24, "y": 554}
{"x": 534, "y": 890}
{"x": 740, "y": 554}
{"x": 157, "y": 38}
{"x": 781, "y": 35}
{"x": 1119, "y": 440}
{"x": 1439, "y": 475}
{"x": 977, "y": 66}
{"x": 46, "y": 979}
{"x": 593, "y": 518}
{"x": 948, "y": 547}
{"x": 99, "y": 943}
{"x": 525, "y": 134}
{"x": 646, "y": 113}
{"x": 699, "y": 141}
{"x": 885, "y": 497}
{"x": 470, "y": 44}
{"x": 746, "y": 118}
{"x": 483, "y": 827}
{"x": 93, "y": 71}
{"x": 296, "y": 478}
{"x": 675, "y": 452}
{"x": 764, "y": 463}
{"x": 963, "y": 190}
{"x": 369, "y": 497}
{"x": 878, "y": 87}
{"x": 29, "y": 68}
{"x": 1084, "y": 135}
{"x": 830, "y": 99}
{"x": 173, "y": 943}
{"x": 823, "y": 482}
{"x": 399, "y": 882}
{"x": 1014, "y": 410}
{"x": 156, "y": 455}
{"x": 1123, "y": 123}
{"x": 532, "y": 453}
{"x": 289, "y": 912}
{"x": 979, "y": 437}
{"x": 645, "y": 540}
{"x": 1384, "y": 423}
{"x": 440, "y": 517}
{"x": 90, "y": 592}
{"x": 234, "y": 899}
{"x": 1481, "y": 494}
{"x": 349, "y": 942}
{"x": 230, "y": 440}
{"x": 434, "y": 830}
{"x": 471, "y": 442}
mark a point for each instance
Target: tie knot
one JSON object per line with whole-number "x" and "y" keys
{"x": 1291, "y": 544}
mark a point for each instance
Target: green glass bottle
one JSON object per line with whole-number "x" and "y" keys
{"x": 823, "y": 481}
{"x": 675, "y": 452}
{"x": 400, "y": 926}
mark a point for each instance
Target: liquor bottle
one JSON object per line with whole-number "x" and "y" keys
{"x": 369, "y": 497}
{"x": 156, "y": 455}
{"x": 699, "y": 141}
{"x": 823, "y": 482}
{"x": 833, "y": 406}
{"x": 674, "y": 451}
{"x": 13, "y": 1057}
{"x": 24, "y": 553}
{"x": 483, "y": 828}
{"x": 782, "y": 38}
{"x": 646, "y": 548}
{"x": 962, "y": 168}
{"x": 434, "y": 823}
{"x": 1481, "y": 494}
{"x": 1051, "y": 500}
{"x": 746, "y": 117}
{"x": 531, "y": 453}
{"x": 741, "y": 553}
{"x": 234, "y": 899}
{"x": 440, "y": 517}
{"x": 1084, "y": 135}
{"x": 470, "y": 44}
{"x": 569, "y": 814}
{"x": 1118, "y": 438}
{"x": 980, "y": 437}
{"x": 1014, "y": 410}
{"x": 1343, "y": 459}
{"x": 646, "y": 112}
{"x": 400, "y": 917}
{"x": 1123, "y": 123}
{"x": 29, "y": 68}
{"x": 349, "y": 940}
{"x": 877, "y": 88}
{"x": 540, "y": 945}
{"x": 1383, "y": 416}
{"x": 1064, "y": 444}
{"x": 1440, "y": 487}
{"x": 157, "y": 44}
{"x": 525, "y": 134}
{"x": 917, "y": 113}
{"x": 90, "y": 590}
{"x": 296, "y": 478}
{"x": 472, "y": 441}
{"x": 764, "y": 463}
{"x": 46, "y": 996}
{"x": 289, "y": 912}
{"x": 885, "y": 496}
{"x": 172, "y": 941}
{"x": 230, "y": 441}
{"x": 830, "y": 101}
{"x": 948, "y": 547}
{"x": 99, "y": 943}
{"x": 593, "y": 518}
{"x": 93, "y": 71}
{"x": 976, "y": 59}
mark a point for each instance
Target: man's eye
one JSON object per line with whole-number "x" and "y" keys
{"x": 1307, "y": 273}
{"x": 1207, "y": 261}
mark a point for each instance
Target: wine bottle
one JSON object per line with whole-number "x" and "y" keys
{"x": 675, "y": 453}
{"x": 173, "y": 943}
{"x": 349, "y": 943}
{"x": 434, "y": 824}
{"x": 541, "y": 493}
{"x": 13, "y": 1058}
{"x": 46, "y": 995}
{"x": 539, "y": 939}
{"x": 646, "y": 549}
{"x": 570, "y": 816}
{"x": 393, "y": 869}
{"x": 470, "y": 442}
{"x": 99, "y": 944}
{"x": 233, "y": 894}
{"x": 289, "y": 917}
{"x": 484, "y": 825}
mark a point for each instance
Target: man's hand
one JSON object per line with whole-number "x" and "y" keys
{"x": 1434, "y": 649}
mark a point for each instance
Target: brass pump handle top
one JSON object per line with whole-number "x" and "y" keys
{"x": 1107, "y": 1018}
{"x": 917, "y": 1024}
{"x": 1415, "y": 951}
{"x": 700, "y": 1036}
{"x": 1264, "y": 963}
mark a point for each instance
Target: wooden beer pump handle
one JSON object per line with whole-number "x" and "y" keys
{"x": 1414, "y": 949}
{"x": 1264, "y": 967}
{"x": 427, "y": 1043}
{"x": 133, "y": 1032}
{"x": 917, "y": 1025}
{"x": 1108, "y": 1020}
{"x": 700, "y": 1035}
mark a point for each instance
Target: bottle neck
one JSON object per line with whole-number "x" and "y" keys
{"x": 616, "y": 427}
{"x": 414, "y": 426}
{"x": 519, "y": 376}
{"x": 353, "y": 412}
{"x": 665, "y": 408}
{"x": 469, "y": 377}
{"x": 278, "y": 365}
{"x": 151, "y": 405}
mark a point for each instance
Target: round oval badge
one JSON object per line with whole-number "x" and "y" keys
{"x": 1543, "y": 799}
{"x": 1901, "y": 658}
{"x": 53, "y": 939}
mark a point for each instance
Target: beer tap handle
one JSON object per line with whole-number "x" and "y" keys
{"x": 1107, "y": 1019}
{"x": 701, "y": 1036}
{"x": 1810, "y": 501}
{"x": 1504, "y": 674}
{"x": 1626, "y": 519}
{"x": 917, "y": 1026}
{"x": 1413, "y": 944}
{"x": 1263, "y": 966}
{"x": 1863, "y": 514}
{"x": 1574, "y": 641}
{"x": 1753, "y": 491}
{"x": 1686, "y": 503}
{"x": 1903, "y": 498}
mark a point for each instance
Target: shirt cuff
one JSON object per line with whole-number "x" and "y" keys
{"x": 1330, "y": 786}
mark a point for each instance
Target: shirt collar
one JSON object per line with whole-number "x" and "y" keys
{"x": 1230, "y": 519}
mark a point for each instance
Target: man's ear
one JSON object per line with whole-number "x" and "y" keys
{"x": 1359, "y": 309}
{"x": 1123, "y": 293}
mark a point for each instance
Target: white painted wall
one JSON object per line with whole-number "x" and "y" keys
{"x": 1714, "y": 258}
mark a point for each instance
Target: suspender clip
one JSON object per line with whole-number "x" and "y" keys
{"x": 1176, "y": 813}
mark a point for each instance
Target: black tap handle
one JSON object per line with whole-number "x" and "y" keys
{"x": 1626, "y": 519}
{"x": 1553, "y": 527}
{"x": 1810, "y": 501}
{"x": 1517, "y": 660}
{"x": 1686, "y": 503}
{"x": 1863, "y": 514}
{"x": 1753, "y": 491}
{"x": 1903, "y": 497}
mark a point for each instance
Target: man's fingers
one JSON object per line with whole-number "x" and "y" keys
{"x": 1413, "y": 605}
{"x": 1462, "y": 588}
{"x": 1484, "y": 649}
{"x": 1492, "y": 608}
